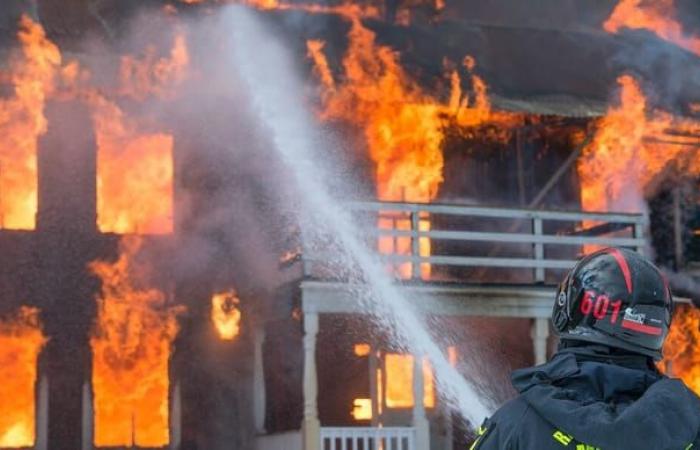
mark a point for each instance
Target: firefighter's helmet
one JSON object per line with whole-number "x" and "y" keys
{"x": 617, "y": 298}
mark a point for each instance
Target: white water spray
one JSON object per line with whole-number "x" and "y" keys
{"x": 276, "y": 95}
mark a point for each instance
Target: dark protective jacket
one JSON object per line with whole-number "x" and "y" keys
{"x": 590, "y": 399}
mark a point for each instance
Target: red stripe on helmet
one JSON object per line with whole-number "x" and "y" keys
{"x": 646, "y": 329}
{"x": 622, "y": 262}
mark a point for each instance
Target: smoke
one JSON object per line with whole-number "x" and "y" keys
{"x": 683, "y": 285}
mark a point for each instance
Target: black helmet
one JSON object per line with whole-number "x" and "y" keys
{"x": 617, "y": 298}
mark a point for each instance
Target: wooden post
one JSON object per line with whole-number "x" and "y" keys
{"x": 311, "y": 427}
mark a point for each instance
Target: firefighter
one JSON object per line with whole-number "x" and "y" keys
{"x": 601, "y": 390}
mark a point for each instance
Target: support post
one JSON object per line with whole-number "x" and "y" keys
{"x": 176, "y": 418}
{"x": 415, "y": 244}
{"x": 540, "y": 334}
{"x": 373, "y": 385}
{"x": 539, "y": 250}
{"x": 639, "y": 234}
{"x": 311, "y": 427}
{"x": 678, "y": 229}
{"x": 420, "y": 421}
{"x": 259, "y": 379}
{"x": 41, "y": 440}
{"x": 87, "y": 419}
{"x": 521, "y": 175}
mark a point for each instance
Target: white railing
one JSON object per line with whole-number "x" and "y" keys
{"x": 507, "y": 238}
{"x": 365, "y": 438}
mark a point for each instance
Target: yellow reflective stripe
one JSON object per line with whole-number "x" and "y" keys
{"x": 479, "y": 433}
{"x": 562, "y": 438}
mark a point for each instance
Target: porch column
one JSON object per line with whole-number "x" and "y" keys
{"x": 88, "y": 417}
{"x": 175, "y": 417}
{"x": 259, "y": 379}
{"x": 373, "y": 386}
{"x": 42, "y": 415}
{"x": 540, "y": 334}
{"x": 420, "y": 421}
{"x": 311, "y": 427}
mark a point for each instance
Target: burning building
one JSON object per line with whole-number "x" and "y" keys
{"x": 143, "y": 211}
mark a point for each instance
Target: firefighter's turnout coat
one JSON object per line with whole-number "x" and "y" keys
{"x": 587, "y": 398}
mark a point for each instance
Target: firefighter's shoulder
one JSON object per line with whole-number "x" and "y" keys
{"x": 498, "y": 431}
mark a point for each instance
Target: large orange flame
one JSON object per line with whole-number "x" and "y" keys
{"x": 131, "y": 347}
{"x": 681, "y": 354}
{"x": 22, "y": 121}
{"x": 657, "y": 16}
{"x": 630, "y": 149}
{"x": 135, "y": 168}
{"x": 402, "y": 125}
{"x": 134, "y": 174}
{"x": 21, "y": 340}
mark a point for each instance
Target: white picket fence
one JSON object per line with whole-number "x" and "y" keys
{"x": 365, "y": 438}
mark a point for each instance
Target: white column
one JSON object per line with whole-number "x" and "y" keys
{"x": 259, "y": 379}
{"x": 175, "y": 417}
{"x": 87, "y": 417}
{"x": 41, "y": 439}
{"x": 420, "y": 421}
{"x": 311, "y": 427}
{"x": 373, "y": 385}
{"x": 540, "y": 334}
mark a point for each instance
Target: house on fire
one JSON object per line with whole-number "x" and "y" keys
{"x": 156, "y": 291}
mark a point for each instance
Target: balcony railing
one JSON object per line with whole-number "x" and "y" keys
{"x": 411, "y": 236}
{"x": 364, "y": 438}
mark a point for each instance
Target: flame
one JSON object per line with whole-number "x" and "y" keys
{"x": 362, "y": 409}
{"x": 21, "y": 340}
{"x": 154, "y": 76}
{"x": 362, "y": 349}
{"x": 22, "y": 121}
{"x": 134, "y": 174}
{"x": 131, "y": 345}
{"x": 264, "y": 4}
{"x": 630, "y": 148}
{"x": 399, "y": 382}
{"x": 226, "y": 315}
{"x": 680, "y": 349}
{"x": 402, "y": 125}
{"x": 657, "y": 16}
{"x": 135, "y": 168}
